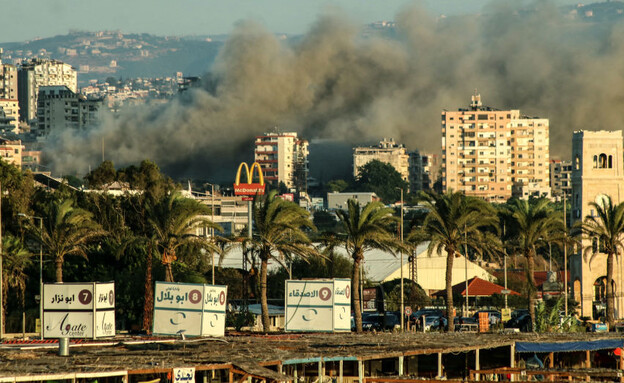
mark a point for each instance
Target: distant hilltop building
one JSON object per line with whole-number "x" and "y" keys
{"x": 494, "y": 154}
{"x": 387, "y": 151}
{"x": 58, "y": 107}
{"x": 283, "y": 157}
{"x": 36, "y": 73}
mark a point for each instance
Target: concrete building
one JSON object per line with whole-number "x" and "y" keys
{"x": 494, "y": 154}
{"x": 9, "y": 116}
{"x": 8, "y": 80}
{"x": 560, "y": 179}
{"x": 597, "y": 172}
{"x": 423, "y": 170}
{"x": 387, "y": 151}
{"x": 58, "y": 107}
{"x": 338, "y": 201}
{"x": 35, "y": 73}
{"x": 11, "y": 151}
{"x": 283, "y": 158}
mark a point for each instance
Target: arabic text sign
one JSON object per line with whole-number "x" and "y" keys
{"x": 78, "y": 310}
{"x": 318, "y": 305}
{"x": 191, "y": 309}
{"x": 184, "y": 375}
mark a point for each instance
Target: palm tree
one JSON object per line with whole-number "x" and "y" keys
{"x": 16, "y": 259}
{"x": 365, "y": 228}
{"x": 533, "y": 224}
{"x": 453, "y": 221}
{"x": 67, "y": 230}
{"x": 606, "y": 228}
{"x": 279, "y": 227}
{"x": 174, "y": 222}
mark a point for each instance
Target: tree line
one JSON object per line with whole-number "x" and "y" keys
{"x": 137, "y": 238}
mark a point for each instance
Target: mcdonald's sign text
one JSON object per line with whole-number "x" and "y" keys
{"x": 250, "y": 188}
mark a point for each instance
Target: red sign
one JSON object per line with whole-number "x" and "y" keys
{"x": 250, "y": 188}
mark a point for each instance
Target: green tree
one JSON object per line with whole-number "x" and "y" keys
{"x": 605, "y": 230}
{"x": 16, "y": 259}
{"x": 174, "y": 222}
{"x": 102, "y": 175}
{"x": 383, "y": 179}
{"x": 279, "y": 227}
{"x": 67, "y": 230}
{"x": 365, "y": 228}
{"x": 534, "y": 223}
{"x": 453, "y": 221}
{"x": 337, "y": 185}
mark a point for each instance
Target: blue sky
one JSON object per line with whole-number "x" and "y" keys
{"x": 27, "y": 19}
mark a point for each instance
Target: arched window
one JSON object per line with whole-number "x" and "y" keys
{"x": 595, "y": 162}
{"x": 602, "y": 161}
{"x": 577, "y": 162}
{"x": 610, "y": 162}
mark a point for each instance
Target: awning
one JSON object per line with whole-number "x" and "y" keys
{"x": 593, "y": 345}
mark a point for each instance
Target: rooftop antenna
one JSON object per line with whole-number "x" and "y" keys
{"x": 475, "y": 101}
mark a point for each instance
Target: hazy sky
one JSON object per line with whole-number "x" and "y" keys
{"x": 27, "y": 19}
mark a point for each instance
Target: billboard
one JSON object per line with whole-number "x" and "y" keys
{"x": 318, "y": 305}
{"x": 250, "y": 188}
{"x": 189, "y": 309}
{"x": 78, "y": 310}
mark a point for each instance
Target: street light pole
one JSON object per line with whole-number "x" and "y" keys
{"x": 402, "y": 291}
{"x": 212, "y": 230}
{"x": 565, "y": 256}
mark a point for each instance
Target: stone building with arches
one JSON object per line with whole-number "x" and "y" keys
{"x": 597, "y": 172}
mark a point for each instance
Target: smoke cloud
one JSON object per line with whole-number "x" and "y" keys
{"x": 337, "y": 83}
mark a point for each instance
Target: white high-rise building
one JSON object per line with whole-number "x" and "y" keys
{"x": 36, "y": 73}
{"x": 283, "y": 157}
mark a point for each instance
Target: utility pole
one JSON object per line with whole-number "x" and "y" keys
{"x": 466, "y": 266}
{"x": 402, "y": 293}
{"x": 565, "y": 256}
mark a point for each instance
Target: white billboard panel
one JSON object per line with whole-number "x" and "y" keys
{"x": 171, "y": 322}
{"x": 74, "y": 310}
{"x": 342, "y": 305}
{"x": 318, "y": 305}
{"x": 191, "y": 309}
{"x": 104, "y": 323}
{"x": 68, "y": 324}
{"x": 105, "y": 296}
{"x": 184, "y": 375}
{"x": 178, "y": 296}
{"x": 68, "y": 296}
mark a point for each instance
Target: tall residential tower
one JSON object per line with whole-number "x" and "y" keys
{"x": 494, "y": 154}
{"x": 283, "y": 158}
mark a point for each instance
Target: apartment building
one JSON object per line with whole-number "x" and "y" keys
{"x": 494, "y": 154}
{"x": 11, "y": 151}
{"x": 9, "y": 116}
{"x": 8, "y": 80}
{"x": 36, "y": 73}
{"x": 423, "y": 170}
{"x": 387, "y": 151}
{"x": 283, "y": 157}
{"x": 58, "y": 107}
{"x": 560, "y": 179}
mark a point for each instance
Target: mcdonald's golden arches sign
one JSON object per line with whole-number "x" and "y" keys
{"x": 250, "y": 188}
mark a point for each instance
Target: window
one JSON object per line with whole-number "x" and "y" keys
{"x": 577, "y": 162}
{"x": 610, "y": 162}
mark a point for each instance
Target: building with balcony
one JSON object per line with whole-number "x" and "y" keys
{"x": 11, "y": 151}
{"x": 387, "y": 151}
{"x": 494, "y": 154}
{"x": 560, "y": 179}
{"x": 9, "y": 116}
{"x": 8, "y": 80}
{"x": 58, "y": 107}
{"x": 36, "y": 73}
{"x": 283, "y": 157}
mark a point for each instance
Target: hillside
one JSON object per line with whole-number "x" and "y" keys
{"x": 98, "y": 55}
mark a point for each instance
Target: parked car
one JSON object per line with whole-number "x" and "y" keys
{"x": 465, "y": 323}
{"x": 518, "y": 312}
{"x": 435, "y": 323}
{"x": 378, "y": 321}
{"x": 415, "y": 317}
{"x": 521, "y": 322}
{"x": 493, "y": 316}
